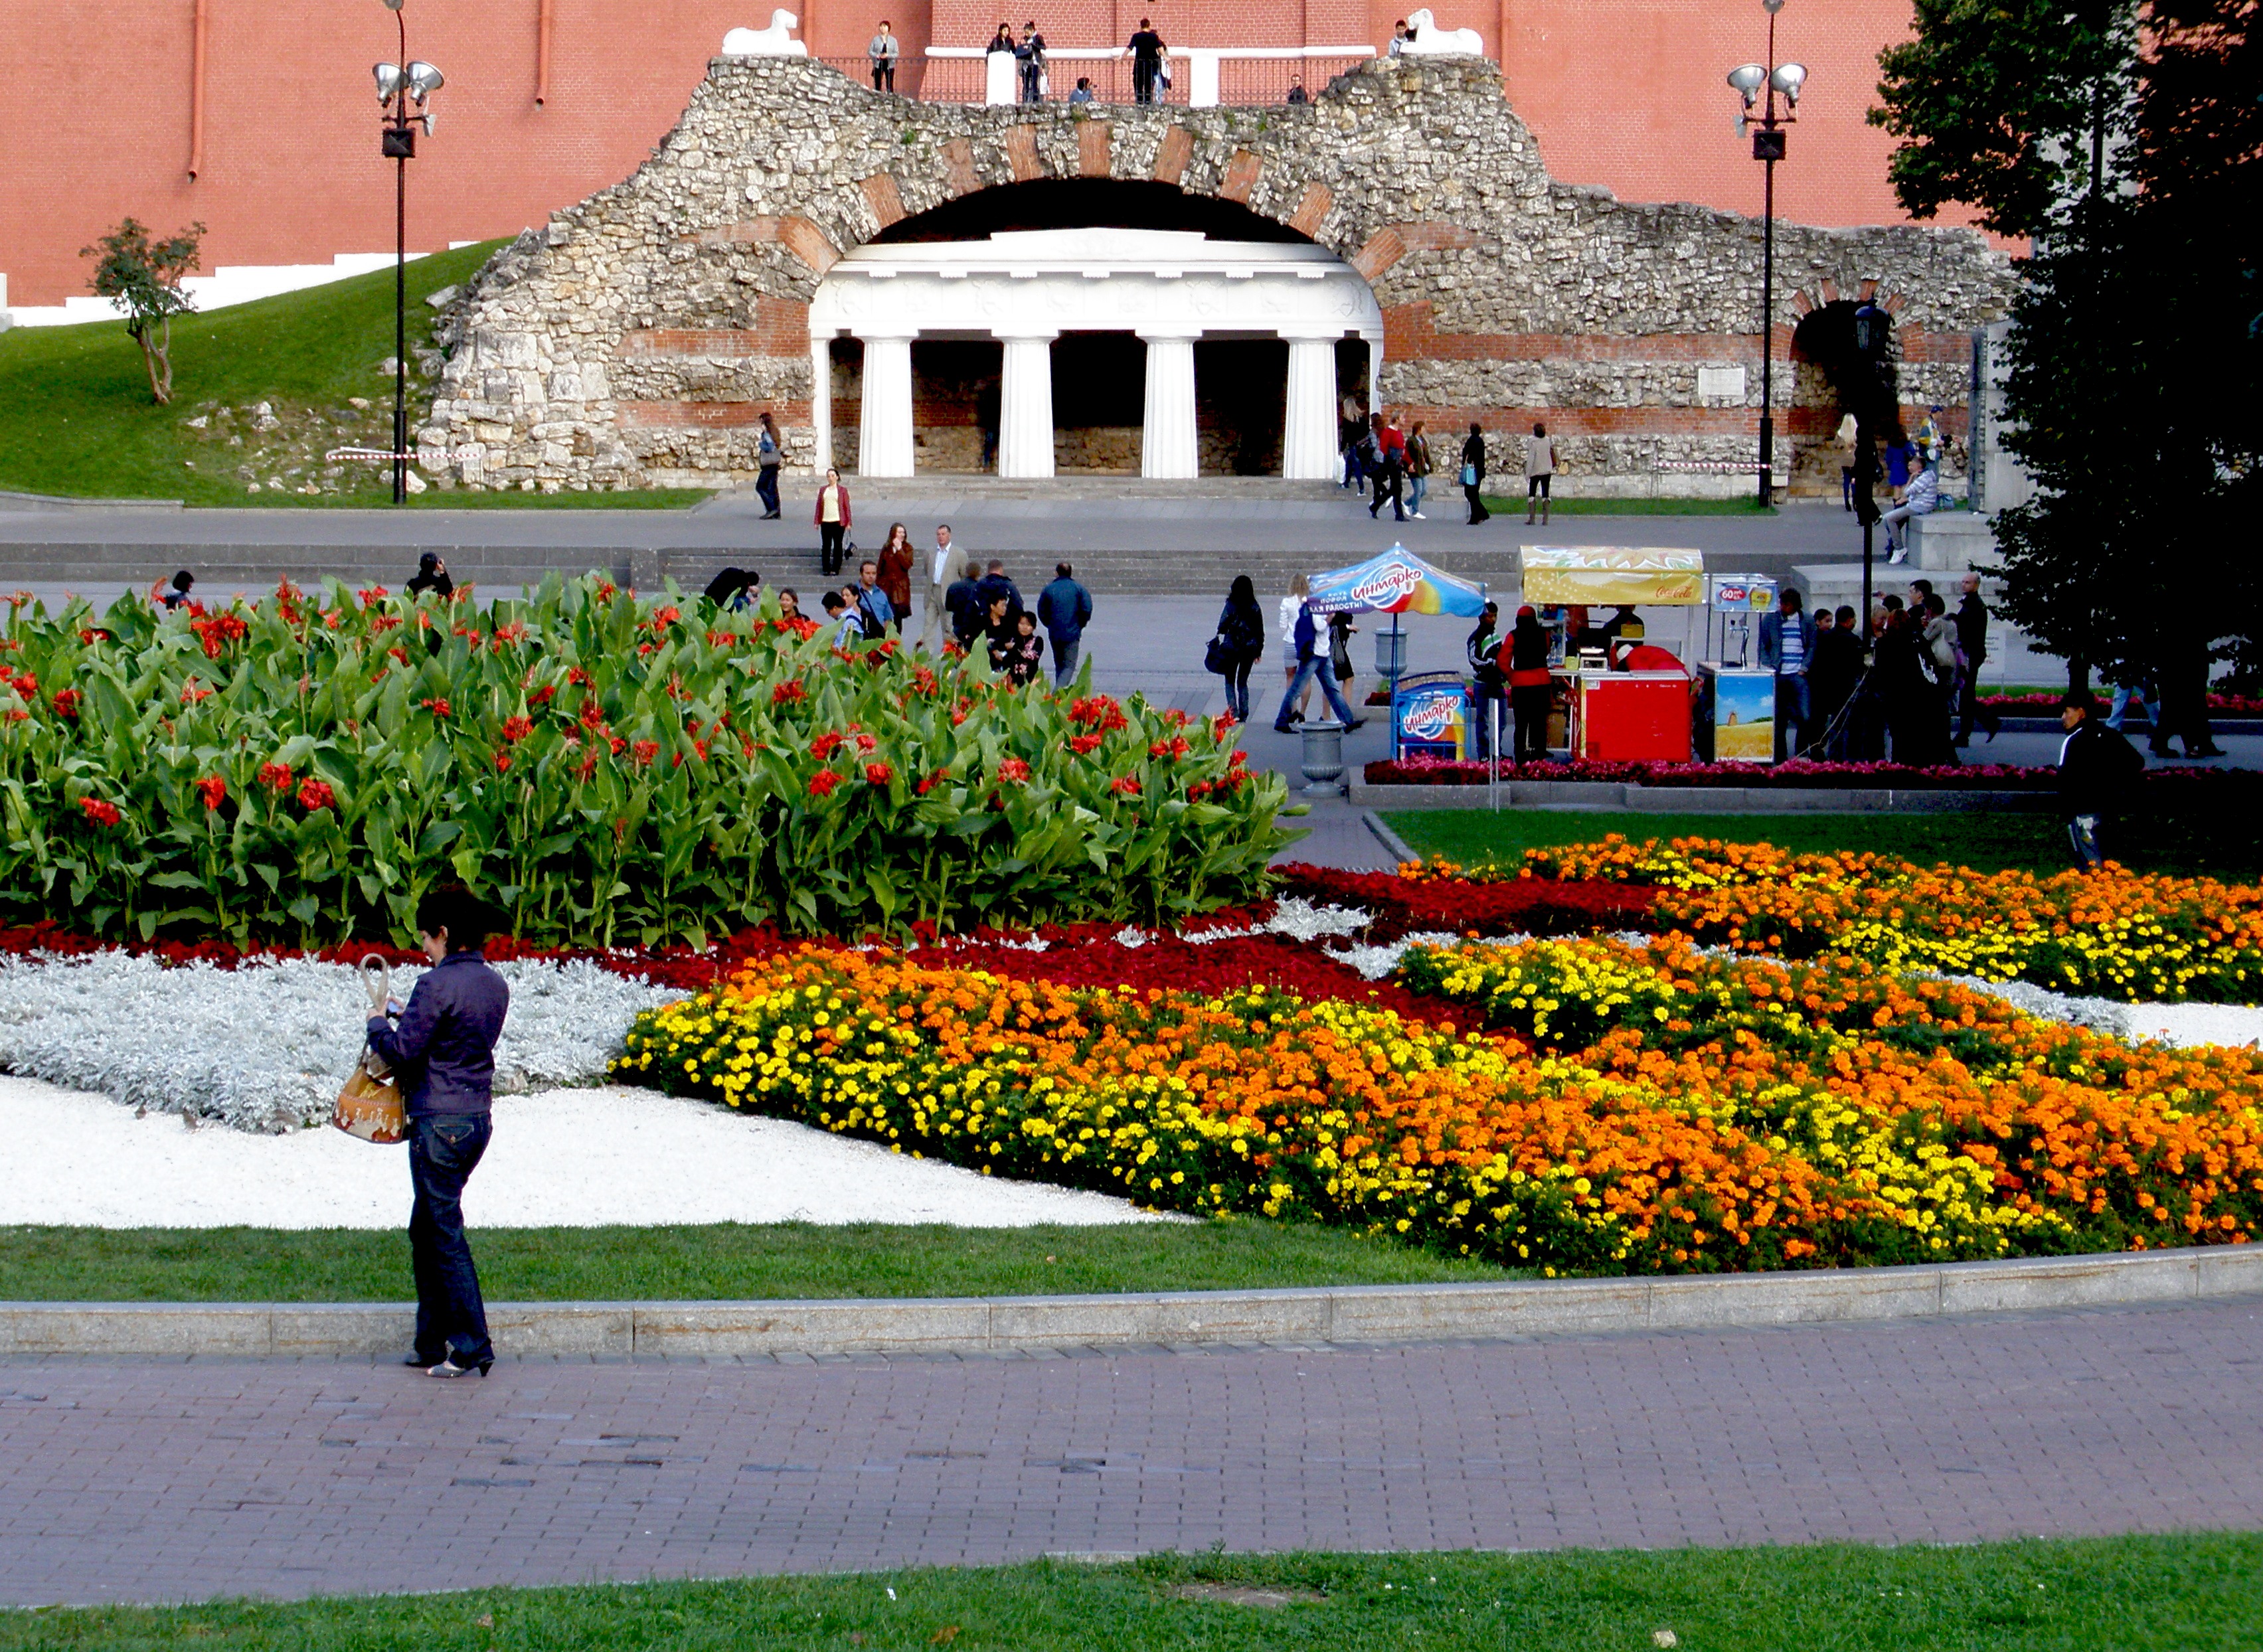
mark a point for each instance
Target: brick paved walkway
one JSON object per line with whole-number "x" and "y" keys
{"x": 162, "y": 1480}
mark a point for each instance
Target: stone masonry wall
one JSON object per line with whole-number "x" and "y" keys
{"x": 639, "y": 336}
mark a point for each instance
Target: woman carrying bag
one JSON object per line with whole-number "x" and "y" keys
{"x": 1238, "y": 644}
{"x": 441, "y": 1048}
{"x": 832, "y": 521}
{"x": 1473, "y": 473}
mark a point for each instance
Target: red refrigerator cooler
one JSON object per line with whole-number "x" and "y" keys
{"x": 1632, "y": 716}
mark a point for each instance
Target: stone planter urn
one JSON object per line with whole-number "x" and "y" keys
{"x": 1323, "y": 760}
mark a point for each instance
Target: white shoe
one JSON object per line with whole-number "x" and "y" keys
{"x": 1419, "y": 517}
{"x": 1897, "y": 559}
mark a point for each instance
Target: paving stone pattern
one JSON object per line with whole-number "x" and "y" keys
{"x": 155, "y": 1481}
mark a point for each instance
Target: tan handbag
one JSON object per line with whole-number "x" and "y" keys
{"x": 369, "y": 1108}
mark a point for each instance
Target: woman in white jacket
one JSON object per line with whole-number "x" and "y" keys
{"x": 1292, "y": 605}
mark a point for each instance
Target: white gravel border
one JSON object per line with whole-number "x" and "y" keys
{"x": 563, "y": 1159}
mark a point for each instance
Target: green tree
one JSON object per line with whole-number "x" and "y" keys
{"x": 2012, "y": 107}
{"x": 145, "y": 276}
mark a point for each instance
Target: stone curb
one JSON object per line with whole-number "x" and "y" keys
{"x": 1639, "y": 799}
{"x": 1347, "y": 1314}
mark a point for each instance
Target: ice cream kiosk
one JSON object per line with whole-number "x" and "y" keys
{"x": 1638, "y": 712}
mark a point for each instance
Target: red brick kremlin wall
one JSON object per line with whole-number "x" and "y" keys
{"x": 100, "y": 109}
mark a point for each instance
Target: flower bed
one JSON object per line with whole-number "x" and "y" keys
{"x": 1638, "y": 1110}
{"x": 1797, "y": 773}
{"x": 2116, "y": 934}
{"x": 2223, "y": 705}
{"x": 604, "y": 767}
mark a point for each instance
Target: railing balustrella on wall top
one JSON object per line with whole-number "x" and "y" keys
{"x": 1244, "y": 77}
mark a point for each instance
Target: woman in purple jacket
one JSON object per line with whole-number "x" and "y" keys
{"x": 441, "y": 1048}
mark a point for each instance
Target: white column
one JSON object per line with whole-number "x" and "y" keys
{"x": 1025, "y": 406}
{"x": 820, "y": 402}
{"x": 1167, "y": 445}
{"x": 1201, "y": 84}
{"x": 883, "y": 440}
{"x": 1308, "y": 432}
{"x": 998, "y": 79}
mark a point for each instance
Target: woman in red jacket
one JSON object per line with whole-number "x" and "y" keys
{"x": 833, "y": 523}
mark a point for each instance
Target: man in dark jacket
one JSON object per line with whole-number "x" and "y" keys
{"x": 963, "y": 602}
{"x": 2096, "y": 766}
{"x": 1972, "y": 637}
{"x": 1064, "y": 608}
{"x": 441, "y": 1048}
{"x": 995, "y": 584}
{"x": 1788, "y": 649}
{"x": 1489, "y": 686}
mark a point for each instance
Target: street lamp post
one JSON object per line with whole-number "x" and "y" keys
{"x": 1759, "y": 84}
{"x": 398, "y": 85}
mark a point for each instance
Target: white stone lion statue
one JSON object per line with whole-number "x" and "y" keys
{"x": 775, "y": 41}
{"x": 1426, "y": 38}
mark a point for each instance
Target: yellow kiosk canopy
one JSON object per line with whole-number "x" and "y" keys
{"x": 1607, "y": 575}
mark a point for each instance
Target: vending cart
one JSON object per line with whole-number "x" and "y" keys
{"x": 1631, "y": 717}
{"x": 1623, "y": 716}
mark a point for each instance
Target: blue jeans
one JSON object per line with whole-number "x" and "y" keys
{"x": 452, "y": 1319}
{"x": 1237, "y": 685}
{"x": 1791, "y": 704}
{"x": 1065, "y": 660}
{"x": 1305, "y": 668}
{"x": 1487, "y": 706}
{"x": 1416, "y": 486}
{"x": 766, "y": 487}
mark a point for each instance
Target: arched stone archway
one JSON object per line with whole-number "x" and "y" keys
{"x": 638, "y": 337}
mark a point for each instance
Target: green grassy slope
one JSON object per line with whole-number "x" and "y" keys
{"x": 76, "y": 418}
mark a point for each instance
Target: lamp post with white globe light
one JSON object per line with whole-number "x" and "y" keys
{"x": 398, "y": 85}
{"x": 1759, "y": 84}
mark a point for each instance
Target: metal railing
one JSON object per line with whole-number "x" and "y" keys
{"x": 1201, "y": 77}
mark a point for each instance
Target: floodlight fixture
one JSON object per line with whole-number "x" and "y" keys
{"x": 1747, "y": 79}
{"x": 424, "y": 80}
{"x": 1787, "y": 79}
{"x": 388, "y": 81}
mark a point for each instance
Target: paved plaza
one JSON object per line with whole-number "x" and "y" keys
{"x": 159, "y": 1480}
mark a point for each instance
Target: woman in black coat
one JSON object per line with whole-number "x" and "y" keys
{"x": 1473, "y": 473}
{"x": 1241, "y": 638}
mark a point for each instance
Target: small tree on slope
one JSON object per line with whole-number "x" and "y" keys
{"x": 145, "y": 276}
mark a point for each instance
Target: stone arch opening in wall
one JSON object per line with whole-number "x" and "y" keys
{"x": 1088, "y": 324}
{"x": 1824, "y": 381}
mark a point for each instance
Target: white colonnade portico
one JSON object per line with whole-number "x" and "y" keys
{"x": 1024, "y": 288}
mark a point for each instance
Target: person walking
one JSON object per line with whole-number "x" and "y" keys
{"x": 2183, "y": 705}
{"x": 963, "y": 602}
{"x": 1351, "y": 429}
{"x": 1146, "y": 49}
{"x": 1241, "y": 640}
{"x": 895, "y": 574}
{"x": 1064, "y": 608}
{"x": 1972, "y": 637}
{"x": 1473, "y": 473}
{"x": 1788, "y": 649}
{"x": 1539, "y": 472}
{"x": 834, "y": 520}
{"x": 2096, "y": 766}
{"x": 1530, "y": 687}
{"x": 441, "y": 1048}
{"x": 1391, "y": 473}
{"x": 1340, "y": 630}
{"x": 1488, "y": 687}
{"x": 1032, "y": 55}
{"x": 883, "y": 50}
{"x": 769, "y": 454}
{"x": 1292, "y": 605}
{"x": 1313, "y": 661}
{"x": 943, "y": 568}
{"x": 1418, "y": 471}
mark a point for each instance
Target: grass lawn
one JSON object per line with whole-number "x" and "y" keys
{"x": 2175, "y": 1594}
{"x": 1738, "y": 507}
{"x": 709, "y": 1262}
{"x": 76, "y": 418}
{"x": 2185, "y": 842}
